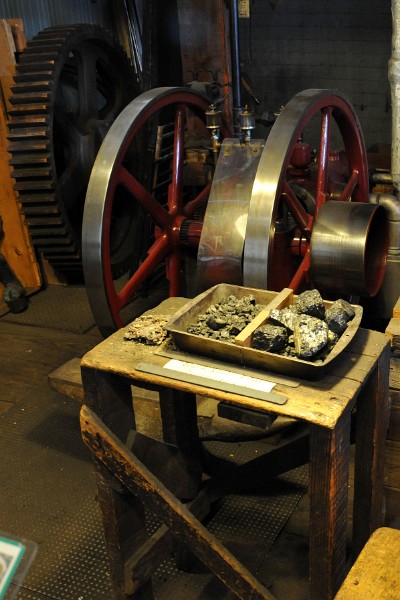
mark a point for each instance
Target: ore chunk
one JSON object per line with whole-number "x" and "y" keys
{"x": 270, "y": 338}
{"x": 286, "y": 317}
{"x": 148, "y": 329}
{"x": 310, "y": 303}
{"x": 332, "y": 337}
{"x": 226, "y": 319}
{"x": 310, "y": 336}
{"x": 216, "y": 323}
{"x": 346, "y": 306}
{"x": 336, "y": 319}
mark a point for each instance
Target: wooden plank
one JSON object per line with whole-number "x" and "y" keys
{"x": 18, "y": 33}
{"x": 392, "y": 466}
{"x": 329, "y": 473}
{"x": 67, "y": 380}
{"x": 205, "y": 48}
{"x": 320, "y": 402}
{"x": 373, "y": 412}
{"x": 393, "y": 333}
{"x": 16, "y": 245}
{"x": 50, "y": 347}
{"x": 7, "y": 60}
{"x": 146, "y": 560}
{"x": 28, "y": 354}
{"x": 392, "y": 507}
{"x": 376, "y": 573}
{"x": 394, "y": 380}
{"x": 256, "y": 418}
{"x": 394, "y": 421}
{"x": 284, "y": 298}
{"x": 141, "y": 482}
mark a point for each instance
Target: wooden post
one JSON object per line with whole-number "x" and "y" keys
{"x": 15, "y": 245}
{"x": 205, "y": 47}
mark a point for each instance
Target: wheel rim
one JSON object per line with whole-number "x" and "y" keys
{"x": 109, "y": 174}
{"x": 268, "y": 260}
{"x": 70, "y": 85}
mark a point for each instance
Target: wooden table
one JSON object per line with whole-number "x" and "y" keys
{"x": 357, "y": 380}
{"x": 376, "y": 572}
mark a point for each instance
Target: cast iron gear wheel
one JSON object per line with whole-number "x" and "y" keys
{"x": 71, "y": 83}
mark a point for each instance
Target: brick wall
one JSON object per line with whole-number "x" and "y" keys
{"x": 342, "y": 44}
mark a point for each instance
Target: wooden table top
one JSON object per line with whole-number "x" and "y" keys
{"x": 320, "y": 402}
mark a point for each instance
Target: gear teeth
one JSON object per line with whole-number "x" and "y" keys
{"x": 55, "y": 231}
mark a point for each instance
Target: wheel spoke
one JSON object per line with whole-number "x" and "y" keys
{"x": 155, "y": 256}
{"x": 123, "y": 186}
{"x": 67, "y": 123}
{"x": 323, "y": 157}
{"x": 268, "y": 257}
{"x": 297, "y": 210}
{"x": 350, "y": 186}
{"x": 301, "y": 273}
{"x": 176, "y": 187}
{"x": 149, "y": 203}
{"x": 174, "y": 272}
{"x": 87, "y": 85}
{"x": 191, "y": 206}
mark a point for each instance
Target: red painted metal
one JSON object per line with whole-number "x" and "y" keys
{"x": 349, "y": 167}
{"x": 168, "y": 241}
{"x": 168, "y": 219}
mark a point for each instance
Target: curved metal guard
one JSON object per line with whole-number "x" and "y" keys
{"x": 220, "y": 252}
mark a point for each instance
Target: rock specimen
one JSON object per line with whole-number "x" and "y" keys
{"x": 225, "y": 320}
{"x": 336, "y": 319}
{"x": 304, "y": 330}
{"x": 148, "y": 329}
{"x": 310, "y": 336}
{"x": 346, "y": 306}
{"x": 310, "y": 303}
{"x": 270, "y": 338}
{"x": 284, "y": 316}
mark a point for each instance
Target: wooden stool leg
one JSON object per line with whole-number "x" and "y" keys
{"x": 373, "y": 402}
{"x": 329, "y": 475}
{"x": 123, "y": 515}
{"x": 179, "y": 420}
{"x": 141, "y": 482}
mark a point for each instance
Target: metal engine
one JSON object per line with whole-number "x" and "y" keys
{"x": 291, "y": 210}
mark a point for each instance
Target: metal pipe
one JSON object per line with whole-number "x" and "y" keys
{"x": 394, "y": 78}
{"x": 392, "y": 207}
{"x": 235, "y": 57}
{"x": 382, "y": 305}
{"x": 381, "y": 177}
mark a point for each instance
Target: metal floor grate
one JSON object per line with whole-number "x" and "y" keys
{"x": 48, "y": 495}
{"x": 56, "y": 307}
{"x": 246, "y": 523}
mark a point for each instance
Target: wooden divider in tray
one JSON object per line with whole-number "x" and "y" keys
{"x": 240, "y": 352}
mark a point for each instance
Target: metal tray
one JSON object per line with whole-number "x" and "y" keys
{"x": 241, "y": 354}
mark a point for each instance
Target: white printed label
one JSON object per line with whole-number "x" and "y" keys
{"x": 244, "y": 9}
{"x": 220, "y": 375}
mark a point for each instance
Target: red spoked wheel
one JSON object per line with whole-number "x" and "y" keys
{"x": 142, "y": 162}
{"x": 299, "y": 170}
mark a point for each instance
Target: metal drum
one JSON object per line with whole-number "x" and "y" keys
{"x": 349, "y": 246}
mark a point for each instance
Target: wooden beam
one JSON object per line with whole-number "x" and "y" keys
{"x": 16, "y": 246}
{"x": 205, "y": 47}
{"x": 135, "y": 476}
